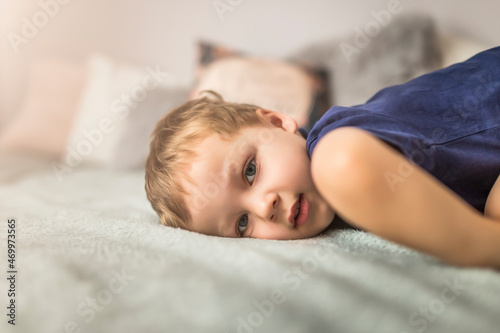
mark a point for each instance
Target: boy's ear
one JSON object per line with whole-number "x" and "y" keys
{"x": 278, "y": 119}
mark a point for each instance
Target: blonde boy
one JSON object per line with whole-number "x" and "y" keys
{"x": 237, "y": 170}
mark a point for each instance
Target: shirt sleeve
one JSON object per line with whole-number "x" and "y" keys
{"x": 391, "y": 131}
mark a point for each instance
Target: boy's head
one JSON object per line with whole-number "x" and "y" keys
{"x": 230, "y": 169}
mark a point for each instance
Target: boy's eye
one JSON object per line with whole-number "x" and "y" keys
{"x": 250, "y": 171}
{"x": 242, "y": 224}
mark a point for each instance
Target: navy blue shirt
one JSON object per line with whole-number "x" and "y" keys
{"x": 447, "y": 122}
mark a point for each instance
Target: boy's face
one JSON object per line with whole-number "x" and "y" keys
{"x": 255, "y": 184}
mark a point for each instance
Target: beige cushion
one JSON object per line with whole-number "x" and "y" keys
{"x": 297, "y": 88}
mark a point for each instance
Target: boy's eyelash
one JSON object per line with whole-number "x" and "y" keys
{"x": 240, "y": 234}
{"x": 245, "y": 166}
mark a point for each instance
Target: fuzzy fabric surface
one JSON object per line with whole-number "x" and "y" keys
{"x": 91, "y": 256}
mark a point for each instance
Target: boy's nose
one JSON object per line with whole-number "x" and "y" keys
{"x": 273, "y": 216}
{"x": 266, "y": 207}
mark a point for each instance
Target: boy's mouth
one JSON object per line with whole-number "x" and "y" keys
{"x": 299, "y": 212}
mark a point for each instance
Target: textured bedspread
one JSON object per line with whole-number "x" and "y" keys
{"x": 91, "y": 256}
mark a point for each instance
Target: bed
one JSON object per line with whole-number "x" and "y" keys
{"x": 91, "y": 256}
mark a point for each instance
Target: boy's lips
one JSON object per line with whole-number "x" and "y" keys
{"x": 303, "y": 212}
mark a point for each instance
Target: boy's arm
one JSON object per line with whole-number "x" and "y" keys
{"x": 492, "y": 206}
{"x": 378, "y": 189}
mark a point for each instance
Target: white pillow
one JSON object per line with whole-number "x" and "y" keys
{"x": 107, "y": 114}
{"x": 458, "y": 49}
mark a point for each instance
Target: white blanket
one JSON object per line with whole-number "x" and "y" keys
{"x": 91, "y": 256}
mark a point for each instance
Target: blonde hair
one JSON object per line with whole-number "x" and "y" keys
{"x": 172, "y": 148}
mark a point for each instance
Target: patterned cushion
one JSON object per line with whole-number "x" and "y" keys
{"x": 289, "y": 87}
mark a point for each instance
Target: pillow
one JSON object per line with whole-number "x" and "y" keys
{"x": 457, "y": 48}
{"x": 119, "y": 108}
{"x": 133, "y": 147}
{"x": 295, "y": 89}
{"x": 44, "y": 121}
{"x": 407, "y": 47}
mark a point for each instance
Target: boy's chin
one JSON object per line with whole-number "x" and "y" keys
{"x": 327, "y": 229}
{"x": 317, "y": 231}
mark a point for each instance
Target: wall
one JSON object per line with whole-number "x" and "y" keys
{"x": 148, "y": 32}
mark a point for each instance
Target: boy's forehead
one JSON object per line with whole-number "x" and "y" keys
{"x": 216, "y": 161}
{"x": 207, "y": 180}
{"x": 210, "y": 155}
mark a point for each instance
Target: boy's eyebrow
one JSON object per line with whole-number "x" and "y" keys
{"x": 222, "y": 228}
{"x": 231, "y": 168}
{"x": 234, "y": 161}
{"x": 229, "y": 163}
{"x": 233, "y": 158}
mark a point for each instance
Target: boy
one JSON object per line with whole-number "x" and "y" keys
{"x": 396, "y": 166}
